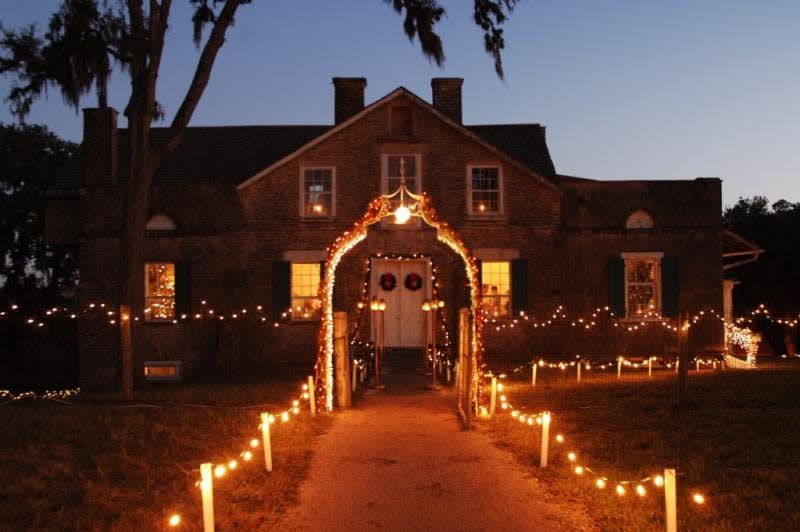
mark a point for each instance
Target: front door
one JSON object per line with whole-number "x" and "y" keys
{"x": 404, "y": 284}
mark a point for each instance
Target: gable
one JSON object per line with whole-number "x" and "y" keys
{"x": 508, "y": 136}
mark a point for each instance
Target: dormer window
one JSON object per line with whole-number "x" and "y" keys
{"x": 484, "y": 190}
{"x": 160, "y": 224}
{"x": 639, "y": 220}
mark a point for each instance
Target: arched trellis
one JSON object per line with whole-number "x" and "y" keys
{"x": 378, "y": 209}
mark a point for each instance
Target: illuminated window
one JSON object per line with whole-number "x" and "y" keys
{"x": 160, "y": 223}
{"x": 161, "y": 370}
{"x": 496, "y": 288}
{"x": 159, "y": 291}
{"x": 484, "y": 190}
{"x": 305, "y": 290}
{"x": 318, "y": 189}
{"x": 642, "y": 285}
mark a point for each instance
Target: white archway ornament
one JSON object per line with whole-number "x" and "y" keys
{"x": 381, "y": 207}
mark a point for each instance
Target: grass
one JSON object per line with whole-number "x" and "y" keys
{"x": 737, "y": 441}
{"x": 102, "y": 465}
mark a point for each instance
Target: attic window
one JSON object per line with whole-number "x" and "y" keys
{"x": 160, "y": 223}
{"x": 639, "y": 220}
{"x": 400, "y": 120}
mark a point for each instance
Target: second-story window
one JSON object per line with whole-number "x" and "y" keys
{"x": 318, "y": 188}
{"x": 485, "y": 188}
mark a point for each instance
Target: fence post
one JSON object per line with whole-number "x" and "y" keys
{"x": 697, "y": 363}
{"x": 493, "y": 399}
{"x": 533, "y": 373}
{"x": 545, "y": 439}
{"x": 267, "y": 442}
{"x": 312, "y": 402}
{"x": 354, "y": 375}
{"x": 126, "y": 349}
{"x": 448, "y": 370}
{"x": 578, "y": 364}
{"x": 649, "y": 367}
{"x": 619, "y": 367}
{"x": 670, "y": 499}
{"x": 207, "y": 494}
{"x": 341, "y": 362}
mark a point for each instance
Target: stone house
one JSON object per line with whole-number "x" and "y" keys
{"x": 241, "y": 217}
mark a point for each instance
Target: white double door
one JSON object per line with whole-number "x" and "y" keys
{"x": 403, "y": 319}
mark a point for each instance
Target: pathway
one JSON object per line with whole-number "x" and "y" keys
{"x": 400, "y": 461}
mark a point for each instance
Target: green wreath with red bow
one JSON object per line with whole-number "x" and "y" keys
{"x": 413, "y": 282}
{"x": 388, "y": 281}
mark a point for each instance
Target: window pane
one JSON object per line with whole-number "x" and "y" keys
{"x": 496, "y": 288}
{"x": 641, "y": 299}
{"x": 317, "y": 190}
{"x": 160, "y": 290}
{"x": 393, "y": 163}
{"x": 485, "y": 190}
{"x": 305, "y": 288}
{"x": 641, "y": 271}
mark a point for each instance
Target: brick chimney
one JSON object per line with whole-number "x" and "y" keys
{"x": 99, "y": 147}
{"x": 348, "y": 96}
{"x": 447, "y": 96}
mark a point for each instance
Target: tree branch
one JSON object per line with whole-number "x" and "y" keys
{"x": 199, "y": 82}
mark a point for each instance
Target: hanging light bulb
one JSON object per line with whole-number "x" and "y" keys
{"x": 402, "y": 214}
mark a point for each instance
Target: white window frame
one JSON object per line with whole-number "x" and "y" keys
{"x": 302, "y": 190}
{"x": 291, "y": 294}
{"x": 147, "y": 315}
{"x": 500, "y": 202}
{"x": 647, "y": 255}
{"x": 387, "y": 222}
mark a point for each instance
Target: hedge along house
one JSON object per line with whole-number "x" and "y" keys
{"x": 241, "y": 217}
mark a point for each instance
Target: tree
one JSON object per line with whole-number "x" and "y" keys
{"x": 31, "y": 271}
{"x": 772, "y": 280}
{"x": 137, "y": 43}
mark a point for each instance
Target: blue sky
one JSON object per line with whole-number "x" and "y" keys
{"x": 628, "y": 89}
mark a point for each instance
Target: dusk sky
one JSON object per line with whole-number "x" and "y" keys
{"x": 628, "y": 89}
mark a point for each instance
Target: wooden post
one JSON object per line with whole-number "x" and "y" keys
{"x": 354, "y": 375}
{"x": 493, "y": 398}
{"x": 670, "y": 499}
{"x": 464, "y": 367}
{"x": 683, "y": 362}
{"x": 207, "y": 494}
{"x": 619, "y": 367}
{"x": 697, "y": 363}
{"x": 649, "y": 367}
{"x": 267, "y": 441}
{"x": 533, "y": 373}
{"x": 341, "y": 362}
{"x": 578, "y": 364}
{"x": 448, "y": 370}
{"x": 545, "y": 439}
{"x": 126, "y": 349}
{"x": 312, "y": 402}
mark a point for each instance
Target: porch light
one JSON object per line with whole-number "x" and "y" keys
{"x": 402, "y": 214}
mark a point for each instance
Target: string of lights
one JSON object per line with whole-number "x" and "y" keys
{"x": 7, "y": 396}
{"x": 236, "y": 459}
{"x": 577, "y": 464}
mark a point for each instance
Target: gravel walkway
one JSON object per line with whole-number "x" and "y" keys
{"x": 400, "y": 461}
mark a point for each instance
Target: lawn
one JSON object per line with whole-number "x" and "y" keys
{"x": 737, "y": 441}
{"x": 100, "y": 464}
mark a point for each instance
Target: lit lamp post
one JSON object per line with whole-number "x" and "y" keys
{"x": 426, "y": 307}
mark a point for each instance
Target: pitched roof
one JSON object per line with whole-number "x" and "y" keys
{"x": 234, "y": 154}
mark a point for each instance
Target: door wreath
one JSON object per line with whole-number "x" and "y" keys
{"x": 388, "y": 281}
{"x": 413, "y": 282}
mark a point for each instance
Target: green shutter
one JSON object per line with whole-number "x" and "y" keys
{"x": 616, "y": 287}
{"x": 669, "y": 287}
{"x": 182, "y": 292}
{"x": 519, "y": 286}
{"x": 281, "y": 286}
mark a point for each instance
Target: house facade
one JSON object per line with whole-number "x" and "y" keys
{"x": 241, "y": 219}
